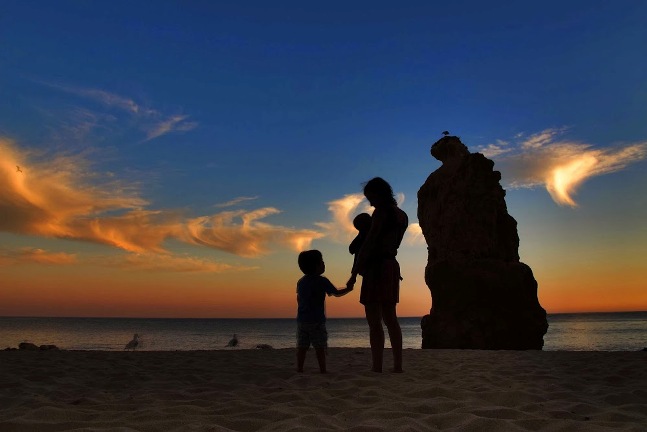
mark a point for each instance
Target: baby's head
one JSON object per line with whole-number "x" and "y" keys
{"x": 362, "y": 222}
{"x": 311, "y": 262}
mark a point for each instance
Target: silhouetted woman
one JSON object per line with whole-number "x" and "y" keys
{"x": 381, "y": 272}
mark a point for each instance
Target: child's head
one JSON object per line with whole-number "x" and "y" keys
{"x": 362, "y": 222}
{"x": 311, "y": 262}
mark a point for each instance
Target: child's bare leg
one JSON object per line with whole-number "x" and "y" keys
{"x": 301, "y": 358}
{"x": 321, "y": 358}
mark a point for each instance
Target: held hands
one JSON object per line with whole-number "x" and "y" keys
{"x": 351, "y": 282}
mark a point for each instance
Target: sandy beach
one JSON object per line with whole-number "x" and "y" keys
{"x": 259, "y": 390}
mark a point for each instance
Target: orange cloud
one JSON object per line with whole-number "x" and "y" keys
{"x": 342, "y": 212}
{"x": 58, "y": 199}
{"x": 242, "y": 233}
{"x": 560, "y": 166}
{"x": 44, "y": 198}
{"x": 35, "y": 255}
{"x": 413, "y": 236}
{"x": 168, "y": 263}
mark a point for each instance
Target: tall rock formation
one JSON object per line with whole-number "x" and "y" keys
{"x": 483, "y": 297}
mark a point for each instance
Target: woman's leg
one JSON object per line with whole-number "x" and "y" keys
{"x": 376, "y": 334}
{"x": 301, "y": 358}
{"x": 395, "y": 334}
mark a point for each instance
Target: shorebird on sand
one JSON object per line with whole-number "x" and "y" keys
{"x": 233, "y": 342}
{"x": 133, "y": 344}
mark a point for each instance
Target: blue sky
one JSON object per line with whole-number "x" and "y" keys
{"x": 173, "y": 123}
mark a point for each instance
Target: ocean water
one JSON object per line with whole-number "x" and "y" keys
{"x": 626, "y": 331}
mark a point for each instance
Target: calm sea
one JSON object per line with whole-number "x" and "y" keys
{"x": 626, "y": 331}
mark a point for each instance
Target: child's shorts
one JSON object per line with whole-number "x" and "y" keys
{"x": 312, "y": 333}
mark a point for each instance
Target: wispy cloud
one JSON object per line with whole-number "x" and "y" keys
{"x": 168, "y": 263}
{"x": 131, "y": 261}
{"x": 45, "y": 197}
{"x": 111, "y": 99}
{"x": 35, "y": 255}
{"x": 235, "y": 201}
{"x": 493, "y": 150}
{"x": 59, "y": 199}
{"x": 561, "y": 166}
{"x": 151, "y": 122}
{"x": 243, "y": 232}
{"x": 173, "y": 123}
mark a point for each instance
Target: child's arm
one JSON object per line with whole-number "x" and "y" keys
{"x": 342, "y": 292}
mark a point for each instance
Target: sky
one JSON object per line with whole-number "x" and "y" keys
{"x": 170, "y": 159}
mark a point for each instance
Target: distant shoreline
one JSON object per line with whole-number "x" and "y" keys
{"x": 285, "y": 318}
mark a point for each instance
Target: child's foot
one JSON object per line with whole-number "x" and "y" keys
{"x": 376, "y": 370}
{"x": 300, "y": 370}
{"x": 398, "y": 370}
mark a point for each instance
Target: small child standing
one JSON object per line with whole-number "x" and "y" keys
{"x": 311, "y": 317}
{"x": 362, "y": 223}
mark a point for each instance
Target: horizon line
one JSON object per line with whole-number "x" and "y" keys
{"x": 284, "y": 318}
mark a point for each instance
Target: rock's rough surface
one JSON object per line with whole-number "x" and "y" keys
{"x": 483, "y": 296}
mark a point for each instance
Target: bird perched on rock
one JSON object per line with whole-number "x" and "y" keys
{"x": 445, "y": 133}
{"x": 233, "y": 342}
{"x": 133, "y": 344}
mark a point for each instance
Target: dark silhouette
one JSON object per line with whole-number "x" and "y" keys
{"x": 361, "y": 222}
{"x": 311, "y": 317}
{"x": 445, "y": 133}
{"x": 380, "y": 271}
{"x": 27, "y": 346}
{"x": 264, "y": 346}
{"x": 133, "y": 344}
{"x": 18, "y": 169}
{"x": 233, "y": 341}
{"x": 483, "y": 296}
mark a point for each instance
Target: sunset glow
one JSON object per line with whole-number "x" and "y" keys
{"x": 172, "y": 161}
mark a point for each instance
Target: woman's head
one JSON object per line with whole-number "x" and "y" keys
{"x": 379, "y": 192}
